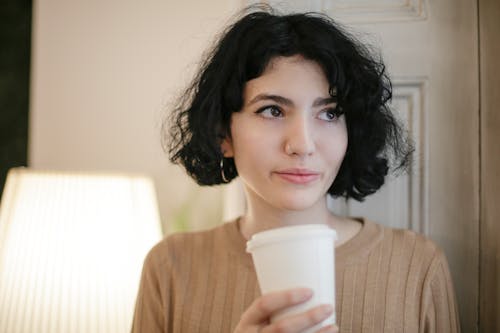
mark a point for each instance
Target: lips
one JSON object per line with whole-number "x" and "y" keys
{"x": 298, "y": 176}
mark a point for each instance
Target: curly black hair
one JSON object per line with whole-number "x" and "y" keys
{"x": 201, "y": 119}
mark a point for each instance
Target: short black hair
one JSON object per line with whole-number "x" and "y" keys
{"x": 201, "y": 119}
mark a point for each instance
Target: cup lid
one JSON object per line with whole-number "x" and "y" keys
{"x": 290, "y": 233}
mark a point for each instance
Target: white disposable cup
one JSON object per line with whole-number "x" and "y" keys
{"x": 297, "y": 256}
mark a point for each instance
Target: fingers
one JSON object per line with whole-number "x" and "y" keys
{"x": 302, "y": 321}
{"x": 263, "y": 307}
{"x": 256, "y": 317}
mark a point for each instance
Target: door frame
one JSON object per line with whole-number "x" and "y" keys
{"x": 489, "y": 232}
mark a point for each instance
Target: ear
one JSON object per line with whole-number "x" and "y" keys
{"x": 226, "y": 147}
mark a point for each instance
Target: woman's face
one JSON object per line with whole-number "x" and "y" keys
{"x": 287, "y": 141}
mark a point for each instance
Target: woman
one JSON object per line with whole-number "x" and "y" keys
{"x": 297, "y": 109}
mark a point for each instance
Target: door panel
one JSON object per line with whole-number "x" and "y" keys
{"x": 401, "y": 202}
{"x": 430, "y": 49}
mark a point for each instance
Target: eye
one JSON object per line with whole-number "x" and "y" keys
{"x": 271, "y": 111}
{"x": 330, "y": 114}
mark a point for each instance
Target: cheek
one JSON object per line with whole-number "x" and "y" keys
{"x": 335, "y": 146}
{"x": 342, "y": 138}
{"x": 247, "y": 143}
{"x": 343, "y": 145}
{"x": 254, "y": 137}
{"x": 250, "y": 146}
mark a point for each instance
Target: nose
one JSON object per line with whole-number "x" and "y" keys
{"x": 300, "y": 137}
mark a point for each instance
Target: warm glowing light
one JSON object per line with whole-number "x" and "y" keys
{"x": 71, "y": 250}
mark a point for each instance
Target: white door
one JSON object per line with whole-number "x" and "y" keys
{"x": 430, "y": 49}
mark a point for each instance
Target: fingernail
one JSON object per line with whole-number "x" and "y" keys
{"x": 333, "y": 329}
{"x": 305, "y": 294}
{"x": 327, "y": 308}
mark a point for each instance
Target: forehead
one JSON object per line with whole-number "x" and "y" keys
{"x": 289, "y": 76}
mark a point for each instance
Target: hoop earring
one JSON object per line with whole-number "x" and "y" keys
{"x": 223, "y": 175}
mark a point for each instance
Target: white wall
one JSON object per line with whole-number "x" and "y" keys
{"x": 103, "y": 73}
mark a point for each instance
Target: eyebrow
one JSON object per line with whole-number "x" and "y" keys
{"x": 288, "y": 102}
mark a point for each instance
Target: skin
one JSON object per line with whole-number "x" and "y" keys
{"x": 288, "y": 143}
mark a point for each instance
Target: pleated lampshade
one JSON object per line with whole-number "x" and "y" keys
{"x": 71, "y": 250}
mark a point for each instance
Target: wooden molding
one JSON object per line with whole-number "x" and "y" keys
{"x": 489, "y": 281}
{"x": 357, "y": 11}
{"x": 402, "y": 201}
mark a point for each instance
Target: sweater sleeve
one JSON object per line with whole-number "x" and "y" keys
{"x": 440, "y": 313}
{"x": 150, "y": 314}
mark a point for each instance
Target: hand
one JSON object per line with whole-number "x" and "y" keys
{"x": 257, "y": 317}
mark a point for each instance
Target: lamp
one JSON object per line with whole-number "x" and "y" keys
{"x": 71, "y": 250}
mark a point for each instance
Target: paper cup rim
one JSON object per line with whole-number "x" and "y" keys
{"x": 289, "y": 233}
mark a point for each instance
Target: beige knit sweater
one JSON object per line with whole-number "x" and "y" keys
{"x": 387, "y": 280}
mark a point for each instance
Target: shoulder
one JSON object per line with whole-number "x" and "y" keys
{"x": 428, "y": 267}
{"x": 418, "y": 259}
{"x": 178, "y": 246}
{"x": 421, "y": 265}
{"x": 407, "y": 248}
{"x": 411, "y": 241}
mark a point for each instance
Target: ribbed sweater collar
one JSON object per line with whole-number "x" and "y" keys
{"x": 350, "y": 252}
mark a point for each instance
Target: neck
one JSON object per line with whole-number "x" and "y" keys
{"x": 261, "y": 216}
